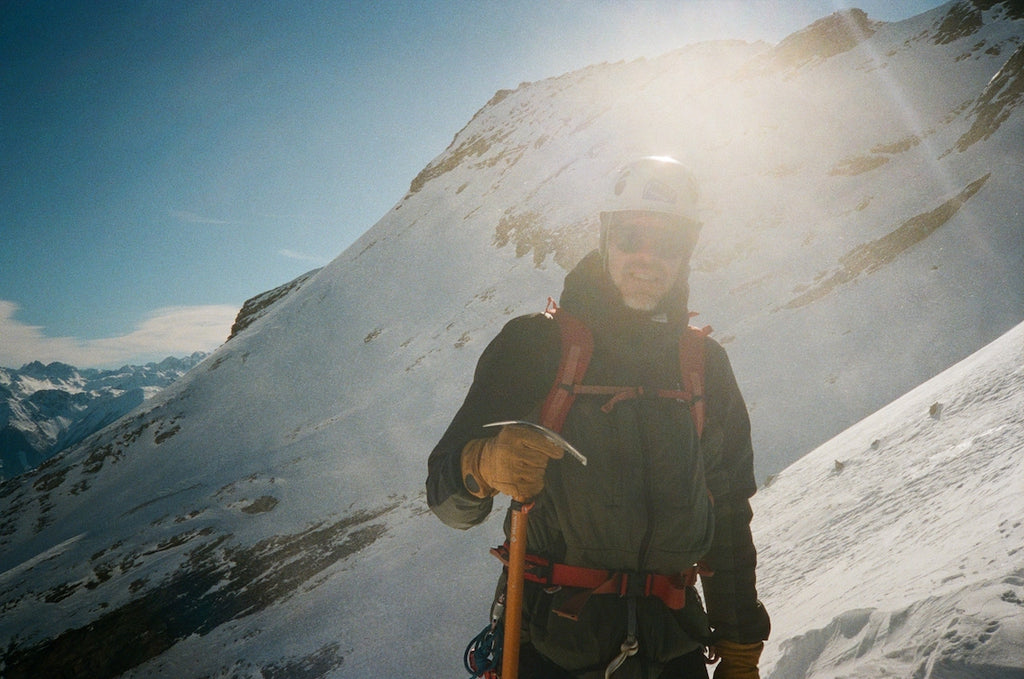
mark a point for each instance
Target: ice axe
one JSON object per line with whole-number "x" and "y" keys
{"x": 519, "y": 511}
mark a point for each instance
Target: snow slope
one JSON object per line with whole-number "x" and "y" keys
{"x": 897, "y": 548}
{"x": 264, "y": 515}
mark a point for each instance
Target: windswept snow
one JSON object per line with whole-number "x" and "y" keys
{"x": 899, "y": 544}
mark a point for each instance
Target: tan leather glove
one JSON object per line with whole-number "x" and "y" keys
{"x": 513, "y": 462}
{"x": 739, "y": 661}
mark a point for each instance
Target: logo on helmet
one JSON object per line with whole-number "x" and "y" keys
{"x": 659, "y": 192}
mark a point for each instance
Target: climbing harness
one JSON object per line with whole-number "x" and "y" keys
{"x": 671, "y": 589}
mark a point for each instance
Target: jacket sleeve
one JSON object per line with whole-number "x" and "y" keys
{"x": 731, "y": 593}
{"x": 512, "y": 377}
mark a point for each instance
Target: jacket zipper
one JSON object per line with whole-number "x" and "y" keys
{"x": 645, "y": 466}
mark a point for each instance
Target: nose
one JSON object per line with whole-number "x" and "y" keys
{"x": 648, "y": 245}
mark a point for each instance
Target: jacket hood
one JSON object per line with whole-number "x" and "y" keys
{"x": 590, "y": 294}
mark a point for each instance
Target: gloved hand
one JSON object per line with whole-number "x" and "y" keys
{"x": 739, "y": 661}
{"x": 513, "y": 462}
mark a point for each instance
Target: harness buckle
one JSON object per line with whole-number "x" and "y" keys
{"x": 632, "y": 584}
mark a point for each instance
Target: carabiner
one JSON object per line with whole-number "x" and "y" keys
{"x": 630, "y": 646}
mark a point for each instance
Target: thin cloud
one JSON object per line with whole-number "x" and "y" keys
{"x": 172, "y": 331}
{"x": 291, "y": 254}
{"x": 193, "y": 218}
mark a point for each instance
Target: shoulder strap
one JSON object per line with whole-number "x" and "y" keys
{"x": 577, "y": 348}
{"x": 691, "y": 370}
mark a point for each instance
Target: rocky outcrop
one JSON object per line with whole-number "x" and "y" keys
{"x": 1001, "y": 96}
{"x": 837, "y": 33}
{"x": 256, "y": 307}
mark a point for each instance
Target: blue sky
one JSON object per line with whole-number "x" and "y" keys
{"x": 163, "y": 161}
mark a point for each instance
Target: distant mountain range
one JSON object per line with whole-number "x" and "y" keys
{"x": 46, "y": 408}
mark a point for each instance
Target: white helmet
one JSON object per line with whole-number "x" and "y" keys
{"x": 654, "y": 184}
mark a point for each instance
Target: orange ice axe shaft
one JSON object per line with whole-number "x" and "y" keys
{"x": 519, "y": 510}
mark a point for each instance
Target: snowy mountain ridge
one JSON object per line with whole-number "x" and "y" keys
{"x": 46, "y": 408}
{"x": 264, "y": 515}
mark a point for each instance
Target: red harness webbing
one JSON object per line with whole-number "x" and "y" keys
{"x": 671, "y": 589}
{"x": 691, "y": 371}
{"x": 577, "y": 349}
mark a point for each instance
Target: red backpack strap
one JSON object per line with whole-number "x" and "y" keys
{"x": 691, "y": 370}
{"x": 577, "y": 348}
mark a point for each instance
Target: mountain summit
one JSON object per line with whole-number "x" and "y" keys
{"x": 264, "y": 515}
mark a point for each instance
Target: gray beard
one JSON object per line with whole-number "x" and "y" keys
{"x": 640, "y": 302}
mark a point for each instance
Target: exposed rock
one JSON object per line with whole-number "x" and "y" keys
{"x": 871, "y": 256}
{"x": 837, "y": 33}
{"x": 964, "y": 19}
{"x": 1000, "y": 97}
{"x": 256, "y": 307}
{"x": 219, "y": 582}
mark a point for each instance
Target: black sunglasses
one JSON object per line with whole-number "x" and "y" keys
{"x": 667, "y": 243}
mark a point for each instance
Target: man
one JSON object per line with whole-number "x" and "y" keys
{"x": 656, "y": 496}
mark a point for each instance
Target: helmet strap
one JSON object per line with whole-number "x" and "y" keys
{"x": 603, "y": 239}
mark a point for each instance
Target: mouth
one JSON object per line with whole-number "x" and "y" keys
{"x": 645, "y": 275}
